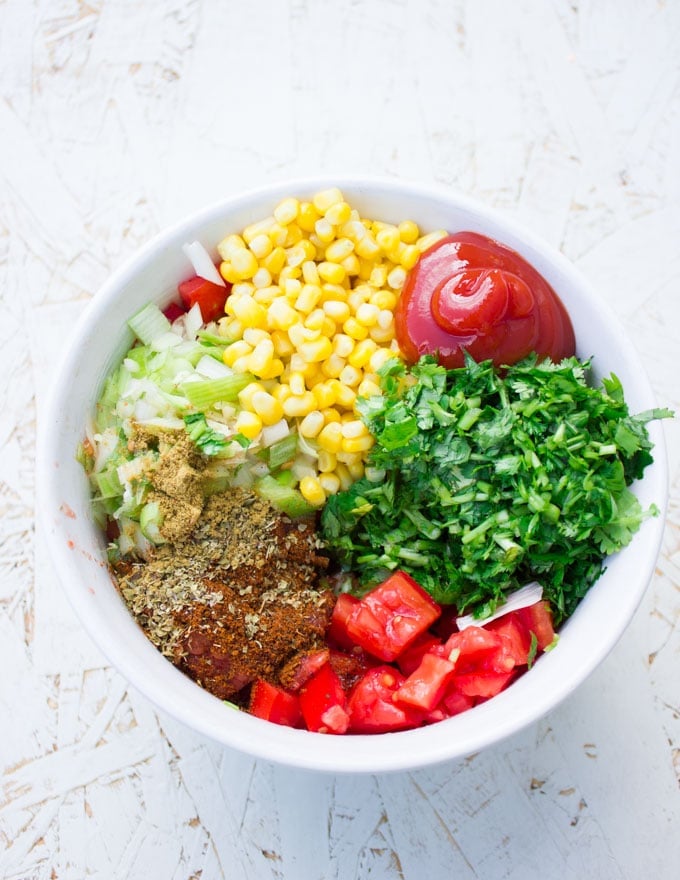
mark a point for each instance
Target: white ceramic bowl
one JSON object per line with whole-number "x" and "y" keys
{"x": 77, "y": 546}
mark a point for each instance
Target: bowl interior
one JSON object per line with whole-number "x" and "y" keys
{"x": 78, "y": 547}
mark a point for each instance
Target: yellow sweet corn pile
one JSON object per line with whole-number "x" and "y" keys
{"x": 311, "y": 316}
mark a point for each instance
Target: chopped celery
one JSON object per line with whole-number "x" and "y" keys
{"x": 285, "y": 498}
{"x": 149, "y": 323}
{"x": 283, "y": 451}
{"x": 205, "y": 393}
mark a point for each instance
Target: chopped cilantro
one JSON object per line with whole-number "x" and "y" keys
{"x": 493, "y": 479}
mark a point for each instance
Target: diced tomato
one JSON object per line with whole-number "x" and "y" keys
{"x": 351, "y": 666}
{"x": 454, "y": 703}
{"x": 425, "y": 687}
{"x": 473, "y": 644}
{"x": 409, "y": 659}
{"x": 516, "y": 639}
{"x": 302, "y": 667}
{"x": 323, "y": 702}
{"x": 538, "y": 619}
{"x": 372, "y": 708}
{"x": 391, "y": 616}
{"x": 274, "y": 704}
{"x": 210, "y": 297}
{"x": 173, "y": 311}
{"x": 337, "y": 630}
{"x": 482, "y": 683}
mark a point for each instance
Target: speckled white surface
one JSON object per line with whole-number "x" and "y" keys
{"x": 116, "y": 119}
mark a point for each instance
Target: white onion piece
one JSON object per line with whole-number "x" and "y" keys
{"x": 202, "y": 262}
{"x": 527, "y": 595}
{"x": 166, "y": 341}
{"x": 210, "y": 368}
{"x": 193, "y": 321}
{"x": 273, "y": 433}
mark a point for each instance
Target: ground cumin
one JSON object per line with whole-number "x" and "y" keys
{"x": 236, "y": 597}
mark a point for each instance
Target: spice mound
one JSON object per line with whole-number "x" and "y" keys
{"x": 235, "y": 599}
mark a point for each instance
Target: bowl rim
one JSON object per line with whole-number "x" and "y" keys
{"x": 172, "y": 692}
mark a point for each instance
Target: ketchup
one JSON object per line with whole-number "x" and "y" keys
{"x": 471, "y": 293}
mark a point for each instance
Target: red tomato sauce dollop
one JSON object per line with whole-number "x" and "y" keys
{"x": 471, "y": 293}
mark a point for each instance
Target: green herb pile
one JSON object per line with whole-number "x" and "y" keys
{"x": 487, "y": 480}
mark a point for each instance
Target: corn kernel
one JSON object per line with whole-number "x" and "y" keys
{"x": 378, "y": 358}
{"x": 367, "y": 314}
{"x": 326, "y": 461}
{"x": 296, "y": 383}
{"x": 333, "y": 292}
{"x": 267, "y": 407}
{"x": 408, "y": 231}
{"x": 316, "y": 350}
{"x": 281, "y": 315}
{"x": 343, "y": 345}
{"x": 338, "y": 213}
{"x": 353, "y": 229}
{"x": 249, "y": 424}
{"x": 275, "y": 261}
{"x": 274, "y": 370}
{"x": 330, "y": 414}
{"x": 261, "y": 358}
{"x": 307, "y": 216}
{"x": 354, "y": 329}
{"x": 232, "y": 329}
{"x": 426, "y": 241}
{"x": 261, "y": 246}
{"x": 297, "y": 406}
{"x": 345, "y": 396}
{"x": 368, "y": 248}
{"x": 350, "y": 376}
{"x": 315, "y": 321}
{"x": 353, "y": 428}
{"x": 244, "y": 263}
{"x": 380, "y": 335}
{"x": 324, "y": 231}
{"x": 356, "y": 469}
{"x": 308, "y": 298}
{"x": 396, "y": 277}
{"x": 265, "y": 296}
{"x": 237, "y": 349}
{"x": 330, "y": 437}
{"x": 312, "y": 423}
{"x": 378, "y": 276}
{"x": 278, "y": 234}
{"x": 281, "y": 391}
{"x": 333, "y": 366}
{"x": 227, "y": 246}
{"x": 351, "y": 265}
{"x": 334, "y": 273}
{"x": 295, "y": 256}
{"x": 330, "y": 483}
{"x": 388, "y": 238}
{"x": 343, "y": 474}
{"x": 409, "y": 256}
{"x": 324, "y": 395}
{"x": 337, "y": 310}
{"x": 286, "y": 211}
{"x": 249, "y": 312}
{"x": 245, "y": 396}
{"x": 339, "y": 249}
{"x": 312, "y": 491}
{"x": 361, "y": 353}
{"x": 299, "y": 334}
{"x": 327, "y": 198}
{"x": 368, "y": 388}
{"x": 294, "y": 236}
{"x": 310, "y": 272}
{"x": 253, "y": 335}
{"x": 384, "y": 299}
{"x": 228, "y": 272}
{"x": 288, "y": 272}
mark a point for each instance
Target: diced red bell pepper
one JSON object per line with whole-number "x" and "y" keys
{"x": 274, "y": 704}
{"x": 537, "y": 618}
{"x": 372, "y": 708}
{"x": 425, "y": 687}
{"x": 210, "y": 297}
{"x": 323, "y": 702}
{"x": 391, "y": 616}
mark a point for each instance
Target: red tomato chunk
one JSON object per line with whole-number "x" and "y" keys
{"x": 390, "y": 665}
{"x": 210, "y": 297}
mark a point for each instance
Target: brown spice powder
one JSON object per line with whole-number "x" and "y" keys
{"x": 237, "y": 597}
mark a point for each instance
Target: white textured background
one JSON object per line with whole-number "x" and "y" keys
{"x": 116, "y": 118}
